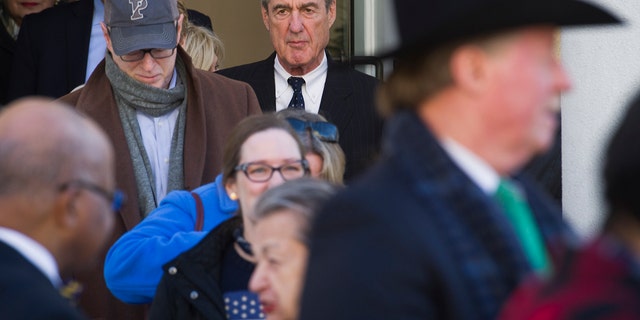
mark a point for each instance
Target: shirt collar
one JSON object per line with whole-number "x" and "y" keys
{"x": 33, "y": 251}
{"x": 313, "y": 86}
{"x": 174, "y": 78}
{"x": 477, "y": 169}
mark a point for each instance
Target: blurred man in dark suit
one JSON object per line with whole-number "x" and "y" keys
{"x": 444, "y": 227}
{"x": 57, "y": 202}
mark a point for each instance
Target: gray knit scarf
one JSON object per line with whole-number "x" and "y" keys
{"x": 132, "y": 96}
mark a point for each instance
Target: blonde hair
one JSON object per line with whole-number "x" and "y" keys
{"x": 203, "y": 46}
{"x": 333, "y": 158}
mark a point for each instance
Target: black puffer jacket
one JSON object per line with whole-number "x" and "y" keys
{"x": 189, "y": 288}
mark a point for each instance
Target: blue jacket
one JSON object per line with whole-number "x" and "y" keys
{"x": 133, "y": 266}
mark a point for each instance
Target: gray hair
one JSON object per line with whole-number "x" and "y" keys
{"x": 302, "y": 197}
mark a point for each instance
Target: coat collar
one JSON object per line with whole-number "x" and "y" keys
{"x": 433, "y": 174}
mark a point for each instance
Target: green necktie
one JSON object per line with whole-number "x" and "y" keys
{"x": 519, "y": 214}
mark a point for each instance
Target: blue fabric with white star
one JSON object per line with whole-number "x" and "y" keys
{"x": 242, "y": 305}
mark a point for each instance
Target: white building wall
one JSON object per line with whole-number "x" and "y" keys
{"x": 604, "y": 63}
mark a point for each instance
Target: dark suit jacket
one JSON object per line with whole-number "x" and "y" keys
{"x": 348, "y": 101}
{"x": 215, "y": 104}
{"x": 26, "y": 293}
{"x": 7, "y": 46}
{"x": 415, "y": 238}
{"x": 51, "y": 52}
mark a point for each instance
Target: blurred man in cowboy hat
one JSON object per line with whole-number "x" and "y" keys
{"x": 444, "y": 226}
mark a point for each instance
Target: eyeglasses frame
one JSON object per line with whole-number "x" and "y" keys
{"x": 115, "y": 198}
{"x": 145, "y": 51}
{"x": 243, "y": 168}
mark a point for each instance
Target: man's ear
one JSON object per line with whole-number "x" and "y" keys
{"x": 179, "y": 28}
{"x": 265, "y": 18}
{"x": 332, "y": 13}
{"x": 107, "y": 38}
{"x": 469, "y": 68}
{"x": 64, "y": 212}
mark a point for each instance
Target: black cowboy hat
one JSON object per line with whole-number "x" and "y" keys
{"x": 425, "y": 24}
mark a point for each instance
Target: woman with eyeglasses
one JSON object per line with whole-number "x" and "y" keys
{"x": 261, "y": 152}
{"x": 320, "y": 138}
{"x": 202, "y": 282}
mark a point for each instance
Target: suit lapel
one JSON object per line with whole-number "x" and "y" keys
{"x": 335, "y": 98}
{"x": 77, "y": 42}
{"x": 6, "y": 41}
{"x": 476, "y": 233}
{"x": 555, "y": 233}
{"x": 194, "y": 154}
{"x": 264, "y": 84}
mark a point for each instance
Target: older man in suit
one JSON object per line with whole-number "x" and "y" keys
{"x": 300, "y": 74}
{"x": 57, "y": 202}
{"x": 444, "y": 227}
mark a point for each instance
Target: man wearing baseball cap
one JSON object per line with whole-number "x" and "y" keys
{"x": 444, "y": 226}
{"x": 167, "y": 120}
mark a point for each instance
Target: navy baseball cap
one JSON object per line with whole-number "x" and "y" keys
{"x": 141, "y": 24}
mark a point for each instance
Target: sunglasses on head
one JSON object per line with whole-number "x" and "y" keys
{"x": 324, "y": 131}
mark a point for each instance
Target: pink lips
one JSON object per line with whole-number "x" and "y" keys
{"x": 297, "y": 44}
{"x": 267, "y": 308}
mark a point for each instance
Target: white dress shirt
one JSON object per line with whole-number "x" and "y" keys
{"x": 477, "y": 169}
{"x": 311, "y": 90}
{"x": 33, "y": 251}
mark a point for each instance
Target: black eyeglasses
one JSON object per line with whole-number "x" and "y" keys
{"x": 260, "y": 172}
{"x": 115, "y": 198}
{"x": 324, "y": 131}
{"x": 154, "y": 53}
